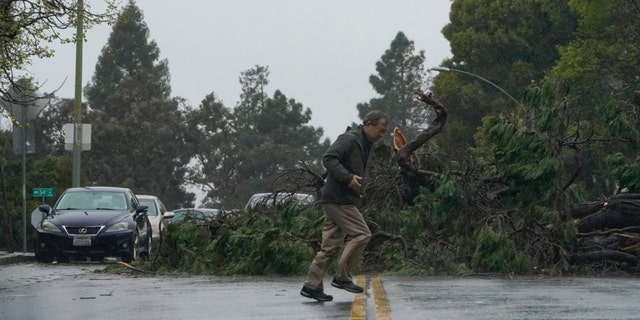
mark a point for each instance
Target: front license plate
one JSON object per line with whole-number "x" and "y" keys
{"x": 82, "y": 241}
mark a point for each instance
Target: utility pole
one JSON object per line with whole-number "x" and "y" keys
{"x": 77, "y": 115}
{"x": 23, "y": 121}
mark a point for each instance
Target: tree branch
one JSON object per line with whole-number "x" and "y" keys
{"x": 405, "y": 151}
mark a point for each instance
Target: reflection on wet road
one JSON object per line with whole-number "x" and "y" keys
{"x": 68, "y": 291}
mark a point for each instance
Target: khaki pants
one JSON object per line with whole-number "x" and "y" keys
{"x": 339, "y": 220}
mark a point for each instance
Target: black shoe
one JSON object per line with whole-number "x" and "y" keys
{"x": 347, "y": 285}
{"x": 315, "y": 294}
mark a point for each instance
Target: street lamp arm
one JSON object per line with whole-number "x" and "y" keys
{"x": 445, "y": 69}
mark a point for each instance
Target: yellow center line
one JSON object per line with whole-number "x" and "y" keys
{"x": 382, "y": 306}
{"x": 359, "y": 305}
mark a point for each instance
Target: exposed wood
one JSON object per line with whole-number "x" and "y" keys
{"x": 625, "y": 206}
{"x": 617, "y": 214}
{"x": 405, "y": 152}
{"x": 581, "y": 210}
{"x": 608, "y": 230}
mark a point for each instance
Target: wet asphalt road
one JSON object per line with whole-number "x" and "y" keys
{"x": 555, "y": 298}
{"x": 75, "y": 291}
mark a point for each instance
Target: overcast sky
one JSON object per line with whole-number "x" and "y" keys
{"x": 320, "y": 53}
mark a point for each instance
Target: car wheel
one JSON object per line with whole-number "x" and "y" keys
{"x": 41, "y": 256}
{"x": 145, "y": 250}
{"x": 133, "y": 249}
{"x": 62, "y": 258}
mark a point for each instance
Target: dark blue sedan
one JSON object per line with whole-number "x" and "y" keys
{"x": 93, "y": 222}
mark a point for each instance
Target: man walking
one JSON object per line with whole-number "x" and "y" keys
{"x": 346, "y": 162}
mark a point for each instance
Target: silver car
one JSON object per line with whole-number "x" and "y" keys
{"x": 156, "y": 212}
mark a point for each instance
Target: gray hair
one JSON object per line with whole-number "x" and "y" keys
{"x": 373, "y": 117}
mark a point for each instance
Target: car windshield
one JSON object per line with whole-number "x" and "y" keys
{"x": 152, "y": 211}
{"x": 181, "y": 215}
{"x": 92, "y": 200}
{"x": 270, "y": 199}
{"x": 194, "y": 214}
{"x": 209, "y": 213}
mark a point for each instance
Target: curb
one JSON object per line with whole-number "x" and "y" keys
{"x": 16, "y": 257}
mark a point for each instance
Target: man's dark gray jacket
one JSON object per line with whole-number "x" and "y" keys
{"x": 346, "y": 157}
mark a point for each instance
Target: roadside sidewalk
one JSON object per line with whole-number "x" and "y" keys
{"x": 16, "y": 257}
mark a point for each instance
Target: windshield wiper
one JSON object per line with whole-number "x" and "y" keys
{"x": 105, "y": 209}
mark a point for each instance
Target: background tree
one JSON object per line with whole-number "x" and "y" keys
{"x": 137, "y": 138}
{"x": 49, "y": 127}
{"x": 506, "y": 207}
{"x": 42, "y": 168}
{"x": 240, "y": 152}
{"x": 602, "y": 65}
{"x": 26, "y": 27}
{"x": 489, "y": 38}
{"x": 399, "y": 71}
{"x": 280, "y": 139}
{"x": 50, "y": 172}
{"x": 253, "y": 98}
{"x": 214, "y": 144}
{"x": 281, "y": 132}
{"x": 253, "y": 84}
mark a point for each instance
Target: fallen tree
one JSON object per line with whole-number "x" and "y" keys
{"x": 608, "y": 230}
{"x": 618, "y": 213}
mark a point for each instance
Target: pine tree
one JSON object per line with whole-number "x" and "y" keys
{"x": 214, "y": 144}
{"x": 242, "y": 151}
{"x": 400, "y": 72}
{"x": 138, "y": 139}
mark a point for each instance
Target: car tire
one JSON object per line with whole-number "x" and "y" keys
{"x": 62, "y": 258}
{"x": 41, "y": 256}
{"x": 133, "y": 249}
{"x": 145, "y": 251}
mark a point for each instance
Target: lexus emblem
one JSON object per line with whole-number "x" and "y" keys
{"x": 82, "y": 230}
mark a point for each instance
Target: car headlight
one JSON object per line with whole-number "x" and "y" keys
{"x": 120, "y": 226}
{"x": 49, "y": 226}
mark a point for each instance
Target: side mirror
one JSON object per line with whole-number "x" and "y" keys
{"x": 167, "y": 215}
{"x": 141, "y": 212}
{"x": 45, "y": 209}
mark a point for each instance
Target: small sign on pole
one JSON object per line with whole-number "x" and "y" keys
{"x": 42, "y": 193}
{"x": 68, "y": 129}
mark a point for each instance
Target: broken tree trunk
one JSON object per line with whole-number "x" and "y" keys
{"x": 608, "y": 230}
{"x": 405, "y": 152}
{"x": 582, "y": 210}
{"x": 406, "y": 159}
{"x": 616, "y": 214}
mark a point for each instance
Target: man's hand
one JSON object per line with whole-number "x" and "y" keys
{"x": 355, "y": 182}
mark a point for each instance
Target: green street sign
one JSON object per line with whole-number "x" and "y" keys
{"x": 42, "y": 192}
